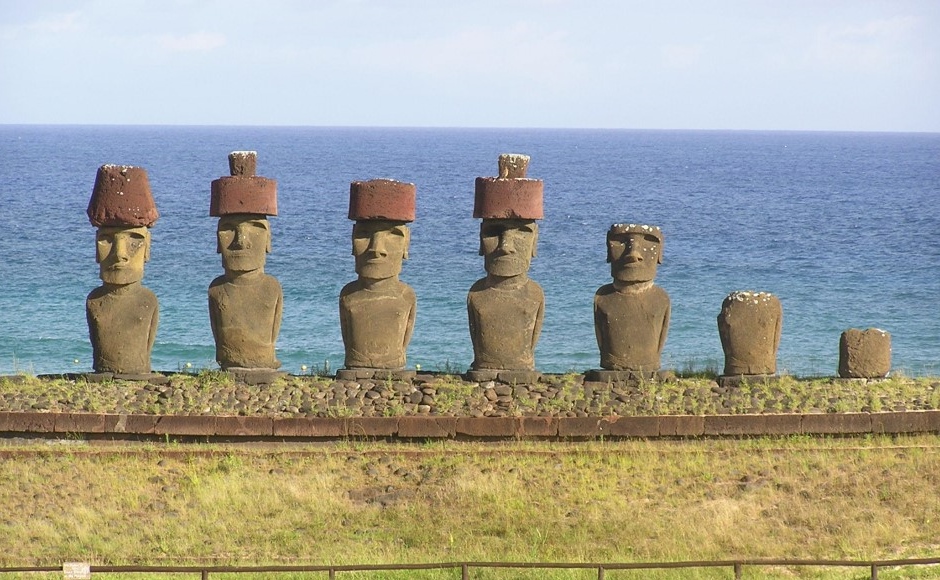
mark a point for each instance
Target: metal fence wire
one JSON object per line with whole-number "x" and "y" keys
{"x": 79, "y": 571}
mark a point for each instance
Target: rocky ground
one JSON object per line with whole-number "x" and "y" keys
{"x": 218, "y": 393}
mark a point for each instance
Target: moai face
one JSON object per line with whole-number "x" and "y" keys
{"x": 379, "y": 247}
{"x": 244, "y": 241}
{"x": 121, "y": 253}
{"x": 633, "y": 256}
{"x": 508, "y": 245}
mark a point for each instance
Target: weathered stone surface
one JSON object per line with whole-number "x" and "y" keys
{"x": 496, "y": 427}
{"x": 79, "y": 423}
{"x": 377, "y": 311}
{"x": 633, "y": 426}
{"x": 242, "y": 163}
{"x": 122, "y": 198}
{"x": 749, "y": 326}
{"x": 753, "y": 424}
{"x": 538, "y": 426}
{"x": 191, "y": 425}
{"x": 837, "y": 423}
{"x": 301, "y": 427}
{"x": 436, "y": 427}
{"x": 631, "y": 315}
{"x": 681, "y": 425}
{"x": 382, "y": 199}
{"x": 513, "y": 165}
{"x": 864, "y": 353}
{"x": 244, "y": 426}
{"x": 27, "y": 422}
{"x": 903, "y": 422}
{"x": 517, "y": 198}
{"x": 136, "y": 424}
{"x": 372, "y": 426}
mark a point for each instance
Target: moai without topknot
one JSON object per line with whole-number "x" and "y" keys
{"x": 864, "y": 354}
{"x": 506, "y": 308}
{"x": 749, "y": 326}
{"x": 377, "y": 310}
{"x": 122, "y": 314}
{"x": 631, "y": 315}
{"x": 245, "y": 304}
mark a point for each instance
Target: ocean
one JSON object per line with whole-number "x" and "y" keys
{"x": 843, "y": 227}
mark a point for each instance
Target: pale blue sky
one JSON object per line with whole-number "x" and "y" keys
{"x": 852, "y": 65}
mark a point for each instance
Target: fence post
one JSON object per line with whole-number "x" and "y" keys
{"x": 205, "y": 575}
{"x": 600, "y": 573}
{"x": 738, "y": 571}
{"x": 874, "y": 572}
{"x": 332, "y": 574}
{"x": 465, "y": 571}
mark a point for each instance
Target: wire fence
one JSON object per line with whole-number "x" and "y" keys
{"x": 79, "y": 571}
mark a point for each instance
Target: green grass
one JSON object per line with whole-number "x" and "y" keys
{"x": 362, "y": 503}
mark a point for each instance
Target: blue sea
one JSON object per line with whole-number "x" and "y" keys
{"x": 843, "y": 227}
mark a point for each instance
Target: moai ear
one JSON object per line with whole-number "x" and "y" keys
{"x": 267, "y": 243}
{"x": 147, "y": 246}
{"x": 407, "y": 230}
{"x": 535, "y": 239}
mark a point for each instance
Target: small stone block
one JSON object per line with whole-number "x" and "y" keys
{"x": 382, "y": 199}
{"x": 152, "y": 378}
{"x": 619, "y": 377}
{"x": 136, "y": 424}
{"x": 231, "y": 426}
{"x": 98, "y": 377}
{"x": 193, "y": 425}
{"x": 79, "y": 423}
{"x": 427, "y": 426}
{"x": 681, "y": 425}
{"x": 242, "y": 163}
{"x": 900, "y": 422}
{"x": 634, "y": 426}
{"x": 582, "y": 426}
{"x": 309, "y": 427}
{"x": 372, "y": 426}
{"x": 399, "y": 375}
{"x": 481, "y": 376}
{"x": 27, "y": 422}
{"x": 513, "y": 165}
{"x": 487, "y": 426}
{"x": 538, "y": 426}
{"x": 836, "y": 423}
{"x": 518, "y": 377}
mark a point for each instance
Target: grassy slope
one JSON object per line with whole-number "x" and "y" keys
{"x": 377, "y": 503}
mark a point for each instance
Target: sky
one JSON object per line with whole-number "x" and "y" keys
{"x": 820, "y": 65}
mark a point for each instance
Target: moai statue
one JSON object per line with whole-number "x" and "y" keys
{"x": 631, "y": 315}
{"x": 749, "y": 326}
{"x": 505, "y": 308}
{"x": 245, "y": 304}
{"x": 377, "y": 310}
{"x": 122, "y": 314}
{"x": 864, "y": 354}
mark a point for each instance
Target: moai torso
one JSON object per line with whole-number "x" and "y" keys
{"x": 505, "y": 325}
{"x": 631, "y": 327}
{"x": 245, "y": 317}
{"x": 122, "y": 326}
{"x": 749, "y": 326}
{"x": 377, "y": 324}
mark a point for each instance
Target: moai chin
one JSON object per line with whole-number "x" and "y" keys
{"x": 505, "y": 308}
{"x": 864, "y": 354}
{"x": 122, "y": 314}
{"x": 377, "y": 310}
{"x": 245, "y": 304}
{"x": 749, "y": 326}
{"x": 631, "y": 315}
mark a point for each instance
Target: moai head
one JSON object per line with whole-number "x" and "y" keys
{"x": 864, "y": 353}
{"x": 634, "y": 252}
{"x": 380, "y": 236}
{"x": 242, "y": 202}
{"x": 122, "y": 209}
{"x": 509, "y": 205}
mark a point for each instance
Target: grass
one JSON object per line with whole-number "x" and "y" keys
{"x": 799, "y": 497}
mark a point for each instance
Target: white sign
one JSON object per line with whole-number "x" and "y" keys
{"x": 76, "y": 571}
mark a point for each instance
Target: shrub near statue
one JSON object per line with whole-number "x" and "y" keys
{"x": 245, "y": 304}
{"x": 122, "y": 314}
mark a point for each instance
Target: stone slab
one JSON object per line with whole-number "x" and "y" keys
{"x": 135, "y": 424}
{"x": 309, "y": 427}
{"x": 437, "y": 427}
{"x": 778, "y": 424}
{"x": 79, "y": 423}
{"x": 517, "y": 198}
{"x": 583, "y": 426}
{"x": 538, "y": 426}
{"x": 27, "y": 422}
{"x": 382, "y": 199}
{"x": 625, "y": 377}
{"x": 192, "y": 425}
{"x": 836, "y": 423}
{"x": 372, "y": 426}
{"x": 681, "y": 425}
{"x": 487, "y": 426}
{"x": 232, "y": 426}
{"x": 634, "y": 426}
{"x": 904, "y": 422}
{"x": 518, "y": 377}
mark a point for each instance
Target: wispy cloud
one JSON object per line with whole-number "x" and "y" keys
{"x": 195, "y": 42}
{"x": 868, "y": 46}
